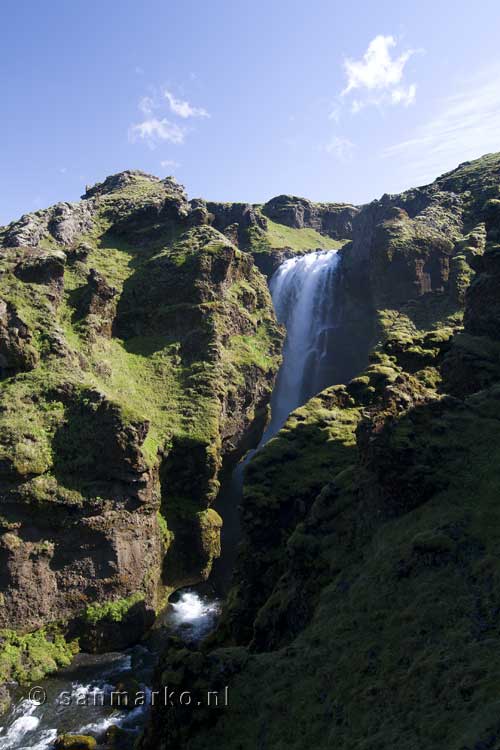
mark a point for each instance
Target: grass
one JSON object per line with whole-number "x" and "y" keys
{"x": 280, "y": 236}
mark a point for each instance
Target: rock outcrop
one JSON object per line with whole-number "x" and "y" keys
{"x": 332, "y": 219}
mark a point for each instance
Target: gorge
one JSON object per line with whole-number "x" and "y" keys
{"x": 302, "y": 290}
{"x": 138, "y": 351}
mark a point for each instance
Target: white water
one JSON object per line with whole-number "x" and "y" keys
{"x": 193, "y": 614}
{"x": 303, "y": 295}
{"x": 72, "y": 705}
{"x": 23, "y": 723}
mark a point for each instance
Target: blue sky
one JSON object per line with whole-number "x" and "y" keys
{"x": 243, "y": 101}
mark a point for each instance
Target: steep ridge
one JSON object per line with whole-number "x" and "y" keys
{"x": 138, "y": 349}
{"x": 364, "y": 610}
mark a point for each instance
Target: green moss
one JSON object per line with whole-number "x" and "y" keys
{"x": 116, "y": 611}
{"x": 28, "y": 658}
{"x": 75, "y": 742}
{"x": 320, "y": 424}
{"x": 166, "y": 534}
{"x": 252, "y": 350}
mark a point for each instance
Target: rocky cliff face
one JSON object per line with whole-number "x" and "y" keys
{"x": 364, "y": 611}
{"x": 283, "y": 226}
{"x": 332, "y": 219}
{"x": 138, "y": 349}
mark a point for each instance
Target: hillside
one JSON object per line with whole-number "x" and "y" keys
{"x": 365, "y": 602}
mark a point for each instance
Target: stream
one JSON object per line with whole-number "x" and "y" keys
{"x": 302, "y": 290}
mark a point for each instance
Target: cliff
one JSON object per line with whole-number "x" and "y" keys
{"x": 364, "y": 608}
{"x": 138, "y": 350}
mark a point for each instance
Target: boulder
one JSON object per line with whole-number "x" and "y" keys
{"x": 75, "y": 742}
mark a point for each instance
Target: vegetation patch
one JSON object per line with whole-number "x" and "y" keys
{"x": 115, "y": 611}
{"x": 28, "y": 658}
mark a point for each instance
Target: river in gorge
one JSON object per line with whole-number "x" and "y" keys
{"x": 303, "y": 296}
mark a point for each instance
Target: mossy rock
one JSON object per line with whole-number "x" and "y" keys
{"x": 75, "y": 742}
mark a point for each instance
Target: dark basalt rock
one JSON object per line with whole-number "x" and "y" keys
{"x": 483, "y": 297}
{"x": 63, "y": 222}
{"x": 40, "y": 266}
{"x": 16, "y": 352}
{"x": 332, "y": 219}
{"x": 235, "y": 219}
{"x": 98, "y": 304}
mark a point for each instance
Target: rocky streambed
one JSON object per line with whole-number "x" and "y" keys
{"x": 103, "y": 698}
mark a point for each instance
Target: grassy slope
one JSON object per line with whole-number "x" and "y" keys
{"x": 145, "y": 374}
{"x": 402, "y": 649}
{"x": 279, "y": 235}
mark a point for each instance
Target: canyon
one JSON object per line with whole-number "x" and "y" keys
{"x": 139, "y": 349}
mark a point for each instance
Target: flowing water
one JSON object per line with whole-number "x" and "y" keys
{"x": 78, "y": 699}
{"x": 303, "y": 295}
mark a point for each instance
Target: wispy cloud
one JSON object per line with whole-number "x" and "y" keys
{"x": 152, "y": 131}
{"x": 183, "y": 108}
{"x": 339, "y": 147}
{"x": 378, "y": 77}
{"x": 169, "y": 164}
{"x": 155, "y": 128}
{"x": 466, "y": 125}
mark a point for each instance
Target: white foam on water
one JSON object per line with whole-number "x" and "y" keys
{"x": 194, "y": 614}
{"x": 24, "y": 722}
{"x": 99, "y": 727}
{"x": 44, "y": 741}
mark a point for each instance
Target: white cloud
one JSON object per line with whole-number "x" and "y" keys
{"x": 153, "y": 130}
{"x": 402, "y": 95}
{"x": 379, "y": 74}
{"x": 184, "y": 109}
{"x": 169, "y": 164}
{"x": 465, "y": 126}
{"x": 340, "y": 147}
{"x": 377, "y": 70}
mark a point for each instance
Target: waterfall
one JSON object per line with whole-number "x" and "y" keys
{"x": 303, "y": 295}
